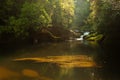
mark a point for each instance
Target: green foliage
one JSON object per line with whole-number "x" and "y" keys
{"x": 62, "y": 13}
{"x": 35, "y": 13}
{"x": 22, "y": 18}
{"x": 94, "y": 37}
{"x": 32, "y": 15}
{"x": 81, "y": 13}
{"x": 101, "y": 15}
{"x": 104, "y": 18}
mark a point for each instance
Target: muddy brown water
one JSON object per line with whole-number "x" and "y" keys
{"x": 71, "y": 60}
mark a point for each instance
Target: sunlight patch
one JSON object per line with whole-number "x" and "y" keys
{"x": 30, "y": 73}
{"x": 6, "y": 74}
{"x": 64, "y": 61}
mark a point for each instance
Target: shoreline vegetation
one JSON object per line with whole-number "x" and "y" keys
{"x": 49, "y": 34}
{"x": 26, "y": 23}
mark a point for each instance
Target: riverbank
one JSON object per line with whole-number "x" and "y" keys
{"x": 45, "y": 34}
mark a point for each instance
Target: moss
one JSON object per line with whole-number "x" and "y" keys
{"x": 94, "y": 37}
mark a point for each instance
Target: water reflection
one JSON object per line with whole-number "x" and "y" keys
{"x": 64, "y": 61}
{"x": 30, "y": 73}
{"x": 53, "y": 61}
{"x": 7, "y": 74}
{"x": 67, "y": 67}
{"x": 25, "y": 74}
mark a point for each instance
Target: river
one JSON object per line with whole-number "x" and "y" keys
{"x": 70, "y": 60}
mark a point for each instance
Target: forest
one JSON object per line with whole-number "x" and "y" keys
{"x": 52, "y": 20}
{"x": 41, "y": 39}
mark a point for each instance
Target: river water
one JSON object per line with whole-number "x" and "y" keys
{"x": 70, "y": 60}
